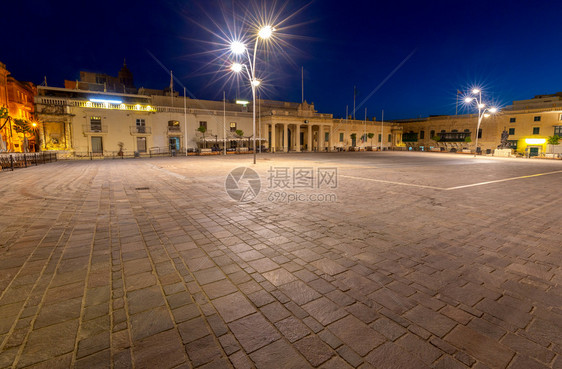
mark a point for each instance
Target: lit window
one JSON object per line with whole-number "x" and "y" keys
{"x": 232, "y": 126}
{"x": 95, "y": 124}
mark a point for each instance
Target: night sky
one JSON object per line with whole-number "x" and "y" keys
{"x": 510, "y": 48}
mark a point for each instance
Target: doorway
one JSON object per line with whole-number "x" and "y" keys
{"x": 97, "y": 145}
{"x": 174, "y": 143}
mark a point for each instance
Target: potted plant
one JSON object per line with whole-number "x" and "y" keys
{"x": 203, "y": 129}
{"x": 240, "y": 134}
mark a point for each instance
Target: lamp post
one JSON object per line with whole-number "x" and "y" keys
{"x": 239, "y": 48}
{"x": 483, "y": 111}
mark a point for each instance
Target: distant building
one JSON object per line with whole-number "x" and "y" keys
{"x": 528, "y": 124}
{"x": 123, "y": 83}
{"x": 18, "y": 97}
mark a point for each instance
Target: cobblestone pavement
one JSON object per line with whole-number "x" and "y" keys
{"x": 149, "y": 264}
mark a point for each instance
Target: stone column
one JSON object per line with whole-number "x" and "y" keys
{"x": 319, "y": 140}
{"x": 298, "y": 133}
{"x": 273, "y": 143}
{"x": 309, "y": 138}
{"x": 331, "y": 140}
{"x": 285, "y": 137}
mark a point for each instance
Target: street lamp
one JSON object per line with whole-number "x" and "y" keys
{"x": 483, "y": 111}
{"x": 239, "y": 48}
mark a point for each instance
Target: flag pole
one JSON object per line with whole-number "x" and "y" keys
{"x": 302, "y": 84}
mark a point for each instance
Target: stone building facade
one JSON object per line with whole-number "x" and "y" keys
{"x": 83, "y": 122}
{"x": 18, "y": 97}
{"x": 527, "y": 123}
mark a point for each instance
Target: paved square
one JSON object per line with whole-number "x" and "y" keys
{"x": 412, "y": 260}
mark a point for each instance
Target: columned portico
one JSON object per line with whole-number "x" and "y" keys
{"x": 285, "y": 137}
{"x": 319, "y": 139}
{"x": 273, "y": 138}
{"x": 309, "y": 138}
{"x": 298, "y": 138}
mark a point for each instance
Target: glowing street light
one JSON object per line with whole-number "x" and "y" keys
{"x": 483, "y": 111}
{"x": 239, "y": 48}
{"x": 266, "y": 32}
{"x": 236, "y": 67}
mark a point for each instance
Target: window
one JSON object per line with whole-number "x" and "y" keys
{"x": 173, "y": 125}
{"x": 380, "y": 137}
{"x": 537, "y": 118}
{"x": 558, "y": 131}
{"x": 480, "y": 133}
{"x": 422, "y": 135}
{"x": 141, "y": 126}
{"x": 511, "y": 120}
{"x": 455, "y": 130}
{"x": 326, "y": 136}
{"x": 536, "y": 130}
{"x": 141, "y": 144}
{"x": 95, "y": 124}
{"x": 443, "y": 131}
{"x": 467, "y": 130}
{"x": 203, "y": 123}
{"x": 232, "y": 126}
{"x": 560, "y": 117}
{"x": 432, "y": 133}
{"x": 341, "y": 137}
{"x": 389, "y": 137}
{"x": 511, "y": 131}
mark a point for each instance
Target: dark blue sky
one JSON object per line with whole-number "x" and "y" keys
{"x": 509, "y": 47}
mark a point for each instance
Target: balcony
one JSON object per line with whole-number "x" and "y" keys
{"x": 90, "y": 129}
{"x": 140, "y": 130}
{"x": 409, "y": 137}
{"x": 453, "y": 136}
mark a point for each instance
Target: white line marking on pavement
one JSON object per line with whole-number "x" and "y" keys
{"x": 451, "y": 188}
{"x": 391, "y": 182}
{"x": 502, "y": 180}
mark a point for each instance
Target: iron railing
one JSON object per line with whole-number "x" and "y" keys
{"x": 24, "y": 160}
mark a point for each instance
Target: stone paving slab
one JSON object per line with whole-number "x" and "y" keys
{"x": 149, "y": 264}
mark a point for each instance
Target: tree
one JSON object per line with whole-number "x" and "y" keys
{"x": 436, "y": 138}
{"x": 467, "y": 139}
{"x": 4, "y": 115}
{"x": 240, "y": 134}
{"x": 553, "y": 140}
{"x": 203, "y": 129}
{"x": 371, "y": 135}
{"x": 22, "y": 126}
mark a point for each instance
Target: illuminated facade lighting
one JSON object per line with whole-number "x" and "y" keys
{"x": 106, "y": 101}
{"x": 535, "y": 141}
